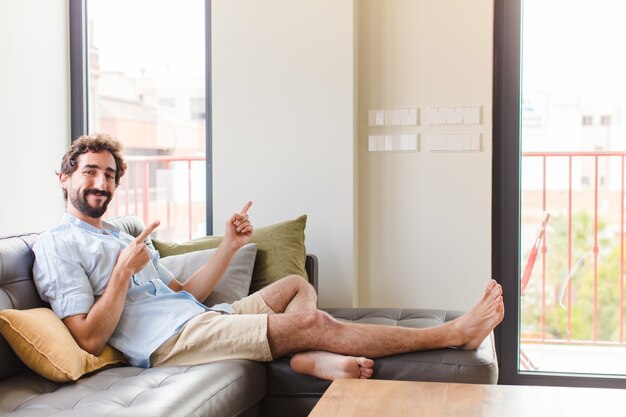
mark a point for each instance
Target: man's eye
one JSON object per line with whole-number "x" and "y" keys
{"x": 110, "y": 177}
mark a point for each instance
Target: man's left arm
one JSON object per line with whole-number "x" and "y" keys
{"x": 237, "y": 232}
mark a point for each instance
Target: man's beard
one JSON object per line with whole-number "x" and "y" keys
{"x": 79, "y": 201}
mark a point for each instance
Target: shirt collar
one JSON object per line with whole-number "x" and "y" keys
{"x": 107, "y": 228}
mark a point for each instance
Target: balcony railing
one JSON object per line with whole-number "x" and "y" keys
{"x": 578, "y": 282}
{"x": 166, "y": 188}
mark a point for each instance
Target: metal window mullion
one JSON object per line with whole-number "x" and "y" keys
{"x": 79, "y": 64}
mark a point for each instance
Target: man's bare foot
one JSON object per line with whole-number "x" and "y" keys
{"x": 477, "y": 323}
{"x": 328, "y": 366}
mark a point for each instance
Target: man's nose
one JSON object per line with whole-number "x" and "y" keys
{"x": 100, "y": 182}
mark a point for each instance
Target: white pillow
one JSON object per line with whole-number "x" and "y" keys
{"x": 234, "y": 285}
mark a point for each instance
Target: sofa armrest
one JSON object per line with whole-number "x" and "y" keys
{"x": 311, "y": 266}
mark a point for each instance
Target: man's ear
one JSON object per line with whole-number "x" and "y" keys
{"x": 63, "y": 179}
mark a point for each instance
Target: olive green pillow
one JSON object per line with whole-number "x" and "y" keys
{"x": 41, "y": 340}
{"x": 280, "y": 250}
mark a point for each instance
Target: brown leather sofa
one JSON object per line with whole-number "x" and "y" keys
{"x": 228, "y": 388}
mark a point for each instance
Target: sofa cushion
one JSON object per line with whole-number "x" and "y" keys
{"x": 235, "y": 283}
{"x": 224, "y": 388}
{"x": 45, "y": 345}
{"x": 280, "y": 250}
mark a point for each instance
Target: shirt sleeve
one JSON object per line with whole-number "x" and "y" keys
{"x": 60, "y": 278}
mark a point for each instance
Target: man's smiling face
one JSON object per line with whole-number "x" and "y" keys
{"x": 91, "y": 187}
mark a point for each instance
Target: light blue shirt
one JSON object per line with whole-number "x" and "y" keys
{"x": 73, "y": 264}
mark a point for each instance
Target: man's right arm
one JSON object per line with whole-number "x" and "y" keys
{"x": 94, "y": 329}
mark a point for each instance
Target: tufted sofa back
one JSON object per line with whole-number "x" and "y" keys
{"x": 17, "y": 290}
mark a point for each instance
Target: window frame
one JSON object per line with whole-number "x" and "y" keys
{"x": 79, "y": 101}
{"x": 505, "y": 263}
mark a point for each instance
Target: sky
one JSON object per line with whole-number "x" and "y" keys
{"x": 150, "y": 34}
{"x": 574, "y": 45}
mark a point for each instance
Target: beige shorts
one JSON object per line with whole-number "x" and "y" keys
{"x": 213, "y": 336}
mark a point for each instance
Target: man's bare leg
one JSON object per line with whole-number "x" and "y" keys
{"x": 318, "y": 331}
{"x": 294, "y": 294}
{"x": 290, "y": 294}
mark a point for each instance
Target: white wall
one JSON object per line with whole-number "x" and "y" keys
{"x": 285, "y": 100}
{"x": 425, "y": 218}
{"x": 34, "y": 112}
{"x": 283, "y": 124}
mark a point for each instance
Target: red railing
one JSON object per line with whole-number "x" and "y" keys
{"x": 162, "y": 187}
{"x": 590, "y": 191}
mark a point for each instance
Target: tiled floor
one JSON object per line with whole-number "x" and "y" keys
{"x": 605, "y": 360}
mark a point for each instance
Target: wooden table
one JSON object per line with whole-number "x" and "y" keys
{"x": 376, "y": 398}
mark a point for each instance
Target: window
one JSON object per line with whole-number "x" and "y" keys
{"x": 139, "y": 73}
{"x": 597, "y": 238}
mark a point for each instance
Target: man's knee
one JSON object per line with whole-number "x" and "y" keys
{"x": 296, "y": 281}
{"x": 303, "y": 320}
{"x": 296, "y": 284}
{"x": 318, "y": 319}
{"x": 289, "y": 284}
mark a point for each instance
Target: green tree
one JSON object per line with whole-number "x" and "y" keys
{"x": 574, "y": 280}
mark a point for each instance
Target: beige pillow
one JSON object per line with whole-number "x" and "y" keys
{"x": 280, "y": 250}
{"x": 41, "y": 340}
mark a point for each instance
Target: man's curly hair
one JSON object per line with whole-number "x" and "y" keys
{"x": 94, "y": 143}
